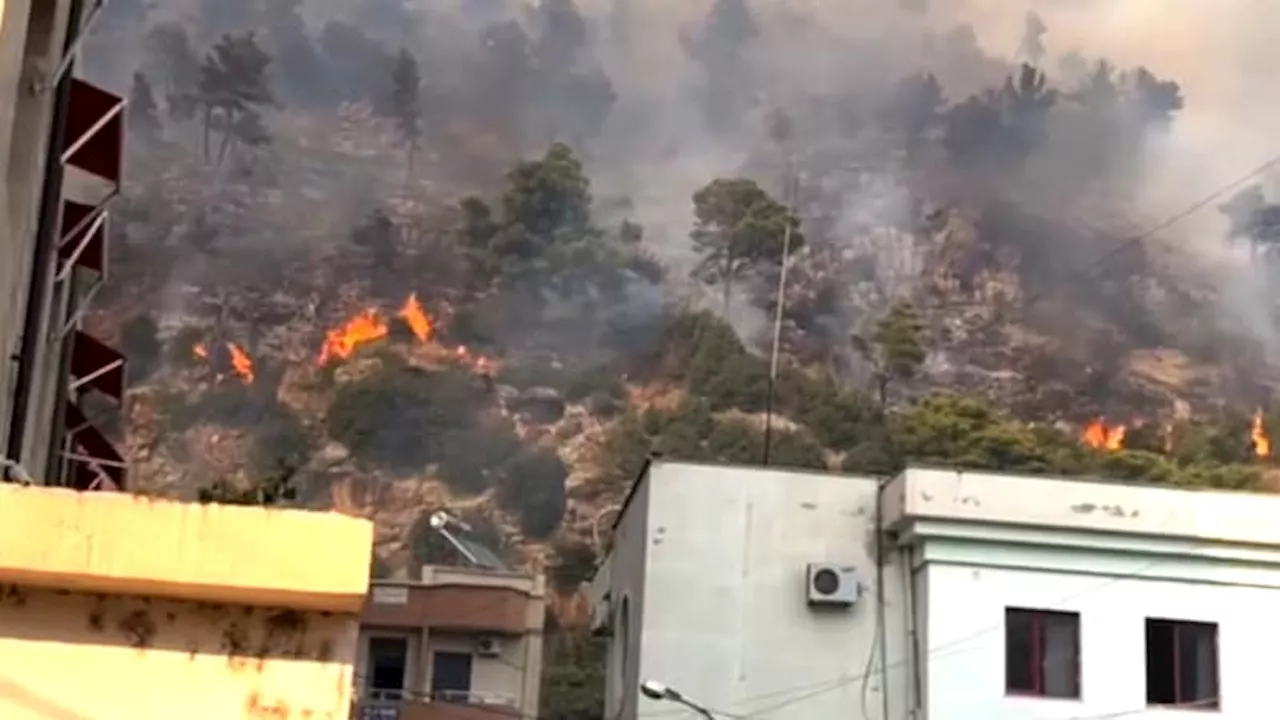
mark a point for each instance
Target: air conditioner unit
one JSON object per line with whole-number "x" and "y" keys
{"x": 488, "y": 647}
{"x": 831, "y": 584}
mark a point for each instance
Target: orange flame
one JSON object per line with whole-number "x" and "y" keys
{"x": 200, "y": 351}
{"x": 479, "y": 363}
{"x": 241, "y": 363}
{"x": 1261, "y": 441}
{"x": 342, "y": 341}
{"x": 1100, "y": 437}
{"x": 416, "y": 318}
{"x": 368, "y": 326}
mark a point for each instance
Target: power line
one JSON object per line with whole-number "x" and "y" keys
{"x": 822, "y": 687}
{"x": 1170, "y": 221}
{"x": 809, "y": 691}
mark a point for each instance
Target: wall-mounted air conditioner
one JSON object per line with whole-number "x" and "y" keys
{"x": 831, "y": 584}
{"x": 488, "y": 647}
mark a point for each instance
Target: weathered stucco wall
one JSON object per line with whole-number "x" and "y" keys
{"x": 70, "y": 656}
{"x": 726, "y": 618}
{"x": 124, "y": 544}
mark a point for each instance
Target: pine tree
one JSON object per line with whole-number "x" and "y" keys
{"x": 232, "y": 92}
{"x": 172, "y": 61}
{"x": 142, "y": 116}
{"x": 404, "y": 103}
{"x": 895, "y": 349}
{"x": 739, "y": 228}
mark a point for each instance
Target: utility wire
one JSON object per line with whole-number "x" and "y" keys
{"x": 947, "y": 649}
{"x": 1195, "y": 207}
{"x": 812, "y": 690}
{"x": 809, "y": 691}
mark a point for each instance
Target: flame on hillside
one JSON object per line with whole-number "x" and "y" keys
{"x": 241, "y": 363}
{"x": 1100, "y": 436}
{"x": 341, "y": 342}
{"x": 479, "y": 363}
{"x": 416, "y": 318}
{"x": 1258, "y": 434}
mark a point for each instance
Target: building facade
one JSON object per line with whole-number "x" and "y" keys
{"x": 939, "y": 594}
{"x": 118, "y": 606}
{"x": 460, "y": 644}
{"x": 61, "y": 153}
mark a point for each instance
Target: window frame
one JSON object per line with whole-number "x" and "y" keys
{"x": 1036, "y": 661}
{"x": 410, "y": 659}
{"x": 1177, "y": 626}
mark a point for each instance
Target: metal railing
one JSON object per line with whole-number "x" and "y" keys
{"x": 387, "y": 704}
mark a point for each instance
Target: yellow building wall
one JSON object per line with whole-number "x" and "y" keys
{"x": 73, "y": 656}
{"x": 124, "y": 544}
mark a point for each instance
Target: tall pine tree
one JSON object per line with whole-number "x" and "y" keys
{"x": 142, "y": 116}
{"x": 404, "y": 104}
{"x": 233, "y": 91}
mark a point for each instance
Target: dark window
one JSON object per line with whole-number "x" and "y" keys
{"x": 1182, "y": 663}
{"x": 451, "y": 677}
{"x": 1042, "y": 653}
{"x": 388, "y": 664}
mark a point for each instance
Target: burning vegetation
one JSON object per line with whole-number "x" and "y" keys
{"x": 369, "y": 326}
{"x": 432, "y": 306}
{"x": 1099, "y": 436}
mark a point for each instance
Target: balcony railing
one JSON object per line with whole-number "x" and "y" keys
{"x": 442, "y": 705}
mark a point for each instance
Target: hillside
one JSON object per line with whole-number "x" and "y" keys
{"x": 390, "y": 264}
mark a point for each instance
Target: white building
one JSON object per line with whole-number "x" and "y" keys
{"x": 997, "y": 597}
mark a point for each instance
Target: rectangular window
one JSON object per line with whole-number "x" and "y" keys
{"x": 1182, "y": 664}
{"x": 451, "y": 677}
{"x": 1042, "y": 653}
{"x": 388, "y": 667}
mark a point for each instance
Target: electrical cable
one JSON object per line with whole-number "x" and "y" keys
{"x": 1163, "y": 225}
{"x": 935, "y": 653}
{"x": 948, "y": 649}
{"x": 1086, "y": 271}
{"x": 809, "y": 691}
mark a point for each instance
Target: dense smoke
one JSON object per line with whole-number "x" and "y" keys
{"x": 660, "y": 97}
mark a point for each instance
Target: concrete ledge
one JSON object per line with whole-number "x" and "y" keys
{"x": 988, "y": 498}
{"x": 116, "y": 543}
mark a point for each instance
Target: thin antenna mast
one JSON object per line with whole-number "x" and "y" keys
{"x": 792, "y": 192}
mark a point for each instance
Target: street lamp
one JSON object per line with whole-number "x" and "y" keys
{"x": 655, "y": 690}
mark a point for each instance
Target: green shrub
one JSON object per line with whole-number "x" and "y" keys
{"x": 838, "y": 418}
{"x": 871, "y": 457}
{"x": 623, "y": 451}
{"x": 534, "y": 487}
{"x": 602, "y": 380}
{"x": 717, "y": 367}
{"x": 470, "y": 457}
{"x": 536, "y": 372}
{"x": 1225, "y": 477}
{"x": 182, "y": 345}
{"x": 574, "y": 677}
{"x": 574, "y": 564}
{"x": 682, "y": 433}
{"x": 140, "y": 343}
{"x": 735, "y": 441}
{"x": 1137, "y": 465}
{"x": 797, "y": 450}
{"x": 281, "y": 445}
{"x": 379, "y": 568}
{"x": 403, "y": 418}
